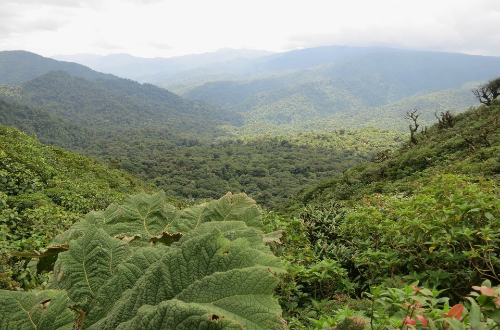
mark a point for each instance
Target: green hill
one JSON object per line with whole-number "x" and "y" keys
{"x": 18, "y": 67}
{"x": 78, "y": 112}
{"x": 428, "y": 212}
{"x": 362, "y": 82}
{"x": 50, "y": 129}
{"x": 118, "y": 103}
{"x": 467, "y": 145}
{"x": 43, "y": 190}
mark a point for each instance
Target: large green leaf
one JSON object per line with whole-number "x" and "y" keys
{"x": 212, "y": 272}
{"x": 143, "y": 219}
{"x": 91, "y": 260}
{"x": 46, "y": 310}
{"x": 125, "y": 277}
{"x": 230, "y": 279}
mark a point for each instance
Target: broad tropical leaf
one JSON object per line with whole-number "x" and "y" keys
{"x": 211, "y": 271}
{"x": 146, "y": 264}
{"x": 47, "y": 310}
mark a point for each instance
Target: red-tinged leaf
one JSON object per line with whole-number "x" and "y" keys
{"x": 421, "y": 319}
{"x": 408, "y": 320}
{"x": 415, "y": 288}
{"x": 477, "y": 288}
{"x": 455, "y": 312}
{"x": 486, "y": 291}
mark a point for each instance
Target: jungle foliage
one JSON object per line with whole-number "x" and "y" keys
{"x": 270, "y": 169}
{"x": 425, "y": 213}
{"x": 145, "y": 264}
{"x": 43, "y": 190}
{"x": 118, "y": 104}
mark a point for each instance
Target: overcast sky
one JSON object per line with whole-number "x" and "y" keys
{"x": 165, "y": 28}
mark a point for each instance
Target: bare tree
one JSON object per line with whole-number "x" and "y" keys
{"x": 447, "y": 119}
{"x": 486, "y": 93}
{"x": 413, "y": 116}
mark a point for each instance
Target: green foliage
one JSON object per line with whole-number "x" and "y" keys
{"x": 269, "y": 169}
{"x": 450, "y": 226}
{"x": 43, "y": 190}
{"x": 49, "y": 128}
{"x": 41, "y": 310}
{"x": 427, "y": 212}
{"x": 215, "y": 272}
{"x": 469, "y": 147}
{"x": 405, "y": 308}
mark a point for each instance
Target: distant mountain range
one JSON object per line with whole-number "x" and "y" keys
{"x": 291, "y": 89}
{"x": 249, "y": 92}
{"x": 128, "y": 66}
{"x": 18, "y": 67}
{"x": 93, "y": 104}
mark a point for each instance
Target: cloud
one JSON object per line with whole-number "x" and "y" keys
{"x": 468, "y": 29}
{"x": 106, "y": 45}
{"x": 44, "y": 24}
{"x": 146, "y": 2}
{"x": 159, "y": 45}
{"x": 56, "y": 3}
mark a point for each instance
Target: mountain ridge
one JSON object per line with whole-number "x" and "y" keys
{"x": 18, "y": 67}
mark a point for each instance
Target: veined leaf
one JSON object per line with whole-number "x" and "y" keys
{"x": 213, "y": 270}
{"x": 475, "y": 316}
{"x": 126, "y": 275}
{"x": 223, "y": 277}
{"x": 45, "y": 310}
{"x": 90, "y": 262}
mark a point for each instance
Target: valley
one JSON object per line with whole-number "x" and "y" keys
{"x": 299, "y": 163}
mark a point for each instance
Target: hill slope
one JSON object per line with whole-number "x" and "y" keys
{"x": 18, "y": 67}
{"x": 467, "y": 143}
{"x": 43, "y": 190}
{"x": 118, "y": 104}
{"x": 425, "y": 215}
{"x": 369, "y": 80}
{"x": 50, "y": 129}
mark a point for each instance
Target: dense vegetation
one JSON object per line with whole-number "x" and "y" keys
{"x": 427, "y": 212}
{"x": 49, "y": 128}
{"x": 269, "y": 169}
{"x": 43, "y": 190}
{"x": 145, "y": 264}
{"x": 118, "y": 105}
{"x": 186, "y": 166}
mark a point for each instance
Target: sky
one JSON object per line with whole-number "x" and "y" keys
{"x": 167, "y": 28}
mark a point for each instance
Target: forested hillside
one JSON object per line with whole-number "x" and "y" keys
{"x": 268, "y": 169}
{"x": 49, "y": 128}
{"x": 116, "y": 104}
{"x": 43, "y": 190}
{"x": 425, "y": 214}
